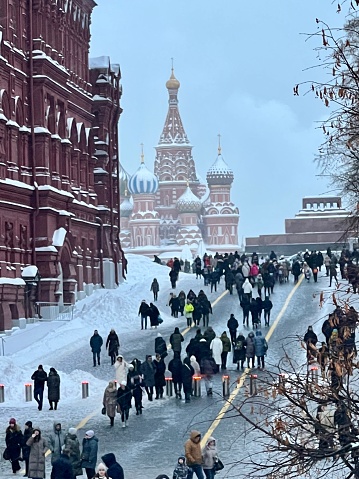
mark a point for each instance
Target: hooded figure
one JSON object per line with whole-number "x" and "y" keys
{"x": 250, "y": 351}
{"x": 148, "y": 371}
{"x": 216, "y": 347}
{"x": 176, "y": 340}
{"x": 38, "y": 449}
{"x": 62, "y": 467}
{"x": 209, "y": 454}
{"x": 114, "y": 470}
{"x": 110, "y": 401}
{"x": 72, "y": 444}
{"x": 187, "y": 374}
{"x": 195, "y": 365}
{"x": 56, "y": 441}
{"x": 89, "y": 452}
{"x": 121, "y": 368}
{"x": 181, "y": 470}
{"x": 260, "y": 347}
{"x": 26, "y": 449}
{"x": 160, "y": 346}
{"x": 112, "y": 345}
{"x": 53, "y": 388}
{"x": 14, "y": 441}
{"x": 193, "y": 451}
{"x": 175, "y": 367}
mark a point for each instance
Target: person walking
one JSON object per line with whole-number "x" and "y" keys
{"x": 121, "y": 368}
{"x": 208, "y": 369}
{"x": 226, "y": 348}
{"x": 245, "y": 305}
{"x": 38, "y": 448}
{"x": 72, "y": 445}
{"x": 160, "y": 346}
{"x": 182, "y": 302}
{"x": 260, "y": 348}
{"x": 174, "y": 303}
{"x": 26, "y": 449}
{"x": 187, "y": 373}
{"x": 247, "y": 289}
{"x": 13, "y": 441}
{"x": 56, "y": 441}
{"x": 148, "y": 372}
{"x": 239, "y": 351}
{"x": 176, "y": 340}
{"x": 193, "y": 455}
{"x": 155, "y": 287}
{"x": 160, "y": 381}
{"x": 206, "y": 309}
{"x": 124, "y": 398}
{"x": 232, "y": 325}
{"x": 154, "y": 314}
{"x": 188, "y": 312}
{"x": 250, "y": 350}
{"x": 89, "y": 453}
{"x": 53, "y": 388}
{"x": 173, "y": 274}
{"x": 175, "y": 368}
{"x": 112, "y": 345}
{"x": 96, "y": 342}
{"x": 144, "y": 312}
{"x": 209, "y": 455}
{"x": 39, "y": 377}
{"x": 216, "y": 346}
{"x": 333, "y": 271}
{"x": 110, "y": 401}
{"x": 267, "y": 307}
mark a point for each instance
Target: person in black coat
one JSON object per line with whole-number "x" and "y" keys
{"x": 187, "y": 374}
{"x": 14, "y": 441}
{"x": 174, "y": 303}
{"x": 206, "y": 308}
{"x": 160, "y": 381}
{"x": 96, "y": 343}
{"x": 239, "y": 351}
{"x": 232, "y": 325}
{"x": 114, "y": 470}
{"x": 267, "y": 307}
{"x": 153, "y": 313}
{"x": 245, "y": 303}
{"x": 173, "y": 274}
{"x": 160, "y": 346}
{"x": 296, "y": 269}
{"x": 254, "y": 309}
{"x": 124, "y": 399}
{"x": 39, "y": 377}
{"x": 203, "y": 350}
{"x": 113, "y": 344}
{"x": 192, "y": 347}
{"x": 62, "y": 467}
{"x": 25, "y": 448}
{"x": 175, "y": 367}
{"x": 310, "y": 338}
{"x": 53, "y": 388}
{"x": 144, "y": 312}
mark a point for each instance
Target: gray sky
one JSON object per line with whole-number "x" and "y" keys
{"x": 237, "y": 63}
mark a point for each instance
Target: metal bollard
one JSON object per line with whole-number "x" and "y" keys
{"x": 169, "y": 387}
{"x": 225, "y": 385}
{"x": 314, "y": 374}
{"x": 28, "y": 392}
{"x": 2, "y": 393}
{"x": 253, "y": 384}
{"x": 197, "y": 386}
{"x": 85, "y": 389}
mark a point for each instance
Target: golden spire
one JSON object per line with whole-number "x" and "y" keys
{"x": 219, "y": 144}
{"x": 142, "y": 155}
{"x": 172, "y": 83}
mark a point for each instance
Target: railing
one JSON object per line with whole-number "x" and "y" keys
{"x": 46, "y": 311}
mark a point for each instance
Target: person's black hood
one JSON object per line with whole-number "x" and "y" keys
{"x": 109, "y": 459}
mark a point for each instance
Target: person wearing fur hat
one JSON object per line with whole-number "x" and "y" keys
{"x": 101, "y": 471}
{"x": 181, "y": 470}
{"x": 38, "y": 448}
{"x": 72, "y": 444}
{"x": 114, "y": 470}
{"x": 89, "y": 453}
{"x": 110, "y": 401}
{"x": 124, "y": 398}
{"x": 26, "y": 449}
{"x": 14, "y": 441}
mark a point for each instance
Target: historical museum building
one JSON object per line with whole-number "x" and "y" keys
{"x": 321, "y": 222}
{"x": 171, "y": 207}
{"x": 59, "y": 180}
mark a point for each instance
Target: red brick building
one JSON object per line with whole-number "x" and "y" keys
{"x": 59, "y": 175}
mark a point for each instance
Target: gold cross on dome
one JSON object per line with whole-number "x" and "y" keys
{"x": 219, "y": 144}
{"x": 142, "y": 155}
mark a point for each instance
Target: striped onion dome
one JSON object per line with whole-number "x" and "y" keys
{"x": 143, "y": 181}
{"x": 126, "y": 207}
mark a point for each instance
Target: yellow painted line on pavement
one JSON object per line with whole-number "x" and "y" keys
{"x": 240, "y": 384}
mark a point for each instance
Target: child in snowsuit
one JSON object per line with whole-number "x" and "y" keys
{"x": 181, "y": 470}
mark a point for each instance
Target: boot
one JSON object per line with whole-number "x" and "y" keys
{"x": 112, "y": 421}
{"x": 50, "y": 408}
{"x": 138, "y": 411}
{"x": 210, "y": 392}
{"x": 141, "y": 407}
{"x": 123, "y": 424}
{"x": 55, "y": 406}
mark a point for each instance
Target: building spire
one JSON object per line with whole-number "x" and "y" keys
{"x": 142, "y": 155}
{"x": 219, "y": 144}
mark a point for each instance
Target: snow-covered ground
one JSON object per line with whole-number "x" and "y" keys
{"x": 105, "y": 309}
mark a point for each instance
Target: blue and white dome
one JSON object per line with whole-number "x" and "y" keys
{"x": 143, "y": 181}
{"x": 126, "y": 207}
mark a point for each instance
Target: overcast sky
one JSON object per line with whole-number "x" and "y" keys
{"x": 237, "y": 63}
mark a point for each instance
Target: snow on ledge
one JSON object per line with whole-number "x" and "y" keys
{"x": 29, "y": 271}
{"x": 46, "y": 248}
{"x": 59, "y": 236}
{"x": 13, "y": 281}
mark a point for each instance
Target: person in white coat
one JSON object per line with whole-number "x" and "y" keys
{"x": 121, "y": 368}
{"x": 216, "y": 347}
{"x": 247, "y": 289}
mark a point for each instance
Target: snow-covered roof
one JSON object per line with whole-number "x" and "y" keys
{"x": 100, "y": 63}
{"x": 219, "y": 172}
{"x": 126, "y": 208}
{"x": 59, "y": 236}
{"x": 29, "y": 271}
{"x": 188, "y": 202}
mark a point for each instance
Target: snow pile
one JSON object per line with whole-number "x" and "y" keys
{"x": 14, "y": 378}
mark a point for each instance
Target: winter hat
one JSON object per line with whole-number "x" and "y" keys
{"x": 131, "y": 366}
{"x": 90, "y": 433}
{"x": 123, "y": 383}
{"x": 162, "y": 476}
{"x": 12, "y": 421}
{"x": 193, "y": 358}
{"x": 28, "y": 423}
{"x": 101, "y": 466}
{"x": 72, "y": 430}
{"x": 159, "y": 335}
